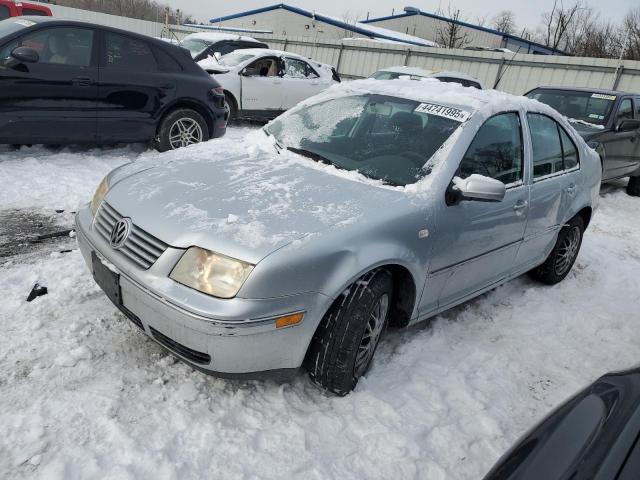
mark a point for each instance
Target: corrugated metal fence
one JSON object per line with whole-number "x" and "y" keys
{"x": 517, "y": 73}
{"x": 356, "y": 58}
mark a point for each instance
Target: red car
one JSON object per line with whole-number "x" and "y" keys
{"x": 11, "y": 8}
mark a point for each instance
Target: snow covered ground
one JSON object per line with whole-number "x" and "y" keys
{"x": 84, "y": 395}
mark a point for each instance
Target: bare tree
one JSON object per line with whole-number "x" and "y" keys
{"x": 505, "y": 22}
{"x": 558, "y": 21}
{"x": 451, "y": 34}
{"x": 630, "y": 35}
{"x": 140, "y": 9}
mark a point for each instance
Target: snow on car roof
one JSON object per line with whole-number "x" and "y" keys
{"x": 218, "y": 37}
{"x": 430, "y": 90}
{"x": 421, "y": 72}
{"x": 279, "y": 53}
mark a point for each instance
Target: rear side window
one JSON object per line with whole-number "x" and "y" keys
{"x": 553, "y": 149}
{"x": 166, "y": 62}
{"x": 127, "y": 53}
{"x": 496, "y": 151}
{"x": 4, "y": 12}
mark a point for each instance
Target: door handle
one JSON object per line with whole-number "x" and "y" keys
{"x": 167, "y": 86}
{"x": 520, "y": 206}
{"x": 81, "y": 81}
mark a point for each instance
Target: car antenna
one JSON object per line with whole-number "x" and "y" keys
{"x": 504, "y": 70}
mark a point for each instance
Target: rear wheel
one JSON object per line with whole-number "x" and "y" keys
{"x": 181, "y": 128}
{"x": 233, "y": 107}
{"x": 633, "y": 188}
{"x": 564, "y": 254}
{"x": 343, "y": 347}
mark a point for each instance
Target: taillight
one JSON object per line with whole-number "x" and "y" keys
{"x": 217, "y": 91}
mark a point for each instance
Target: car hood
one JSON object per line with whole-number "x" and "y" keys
{"x": 245, "y": 205}
{"x": 587, "y": 131}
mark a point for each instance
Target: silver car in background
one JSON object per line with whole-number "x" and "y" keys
{"x": 374, "y": 203}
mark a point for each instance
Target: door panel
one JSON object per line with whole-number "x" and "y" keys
{"x": 620, "y": 147}
{"x": 261, "y": 85}
{"x": 131, "y": 91}
{"x": 53, "y": 100}
{"x": 300, "y": 82}
{"x": 476, "y": 242}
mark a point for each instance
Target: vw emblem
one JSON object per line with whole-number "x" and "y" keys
{"x": 120, "y": 232}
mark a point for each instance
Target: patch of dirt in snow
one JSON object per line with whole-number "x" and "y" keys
{"x": 83, "y": 394}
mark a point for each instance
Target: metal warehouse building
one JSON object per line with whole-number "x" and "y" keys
{"x": 428, "y": 25}
{"x": 285, "y": 20}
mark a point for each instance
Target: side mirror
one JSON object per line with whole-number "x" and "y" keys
{"x": 479, "y": 188}
{"x": 25, "y": 54}
{"x": 628, "y": 125}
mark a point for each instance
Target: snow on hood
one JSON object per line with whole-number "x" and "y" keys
{"x": 242, "y": 199}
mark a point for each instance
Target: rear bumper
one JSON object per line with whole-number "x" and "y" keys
{"x": 213, "y": 341}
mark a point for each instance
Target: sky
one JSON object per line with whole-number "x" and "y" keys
{"x": 527, "y": 12}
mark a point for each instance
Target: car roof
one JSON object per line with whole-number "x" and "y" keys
{"x": 433, "y": 91}
{"x": 421, "y": 72}
{"x": 218, "y": 37}
{"x": 55, "y": 21}
{"x": 603, "y": 91}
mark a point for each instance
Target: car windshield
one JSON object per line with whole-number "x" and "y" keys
{"x": 195, "y": 45}
{"x": 382, "y": 137}
{"x": 587, "y": 107}
{"x": 234, "y": 58}
{"x": 384, "y": 75}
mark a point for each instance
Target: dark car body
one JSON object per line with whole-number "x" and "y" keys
{"x": 595, "y": 435}
{"x": 616, "y": 136}
{"x": 11, "y": 8}
{"x": 107, "y": 85}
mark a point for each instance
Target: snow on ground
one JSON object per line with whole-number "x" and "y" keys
{"x": 84, "y": 395}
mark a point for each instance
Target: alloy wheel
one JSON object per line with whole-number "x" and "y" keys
{"x": 183, "y": 132}
{"x": 372, "y": 332}
{"x": 568, "y": 251}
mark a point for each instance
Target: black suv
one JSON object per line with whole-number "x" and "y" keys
{"x": 608, "y": 120}
{"x": 64, "y": 82}
{"x": 215, "y": 44}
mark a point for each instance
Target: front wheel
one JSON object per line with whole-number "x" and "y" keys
{"x": 633, "y": 188}
{"x": 181, "y": 128}
{"x": 559, "y": 262}
{"x": 343, "y": 346}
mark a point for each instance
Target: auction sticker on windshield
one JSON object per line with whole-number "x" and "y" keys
{"x": 603, "y": 96}
{"x": 443, "y": 111}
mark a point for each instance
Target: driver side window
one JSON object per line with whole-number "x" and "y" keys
{"x": 625, "y": 111}
{"x": 263, "y": 67}
{"x": 60, "y": 46}
{"x": 496, "y": 151}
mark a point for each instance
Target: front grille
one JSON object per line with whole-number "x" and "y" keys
{"x": 192, "y": 355}
{"x": 141, "y": 247}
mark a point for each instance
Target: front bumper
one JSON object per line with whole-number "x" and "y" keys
{"x": 231, "y": 338}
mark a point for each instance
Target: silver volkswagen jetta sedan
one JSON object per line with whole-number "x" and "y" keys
{"x": 373, "y": 203}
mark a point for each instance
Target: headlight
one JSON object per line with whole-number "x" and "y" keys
{"x": 210, "y": 272}
{"x": 101, "y": 191}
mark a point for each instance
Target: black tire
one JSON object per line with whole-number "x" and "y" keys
{"x": 336, "y": 357}
{"x": 633, "y": 188}
{"x": 233, "y": 107}
{"x": 561, "y": 259}
{"x": 168, "y": 128}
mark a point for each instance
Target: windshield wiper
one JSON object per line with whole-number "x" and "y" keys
{"x": 313, "y": 156}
